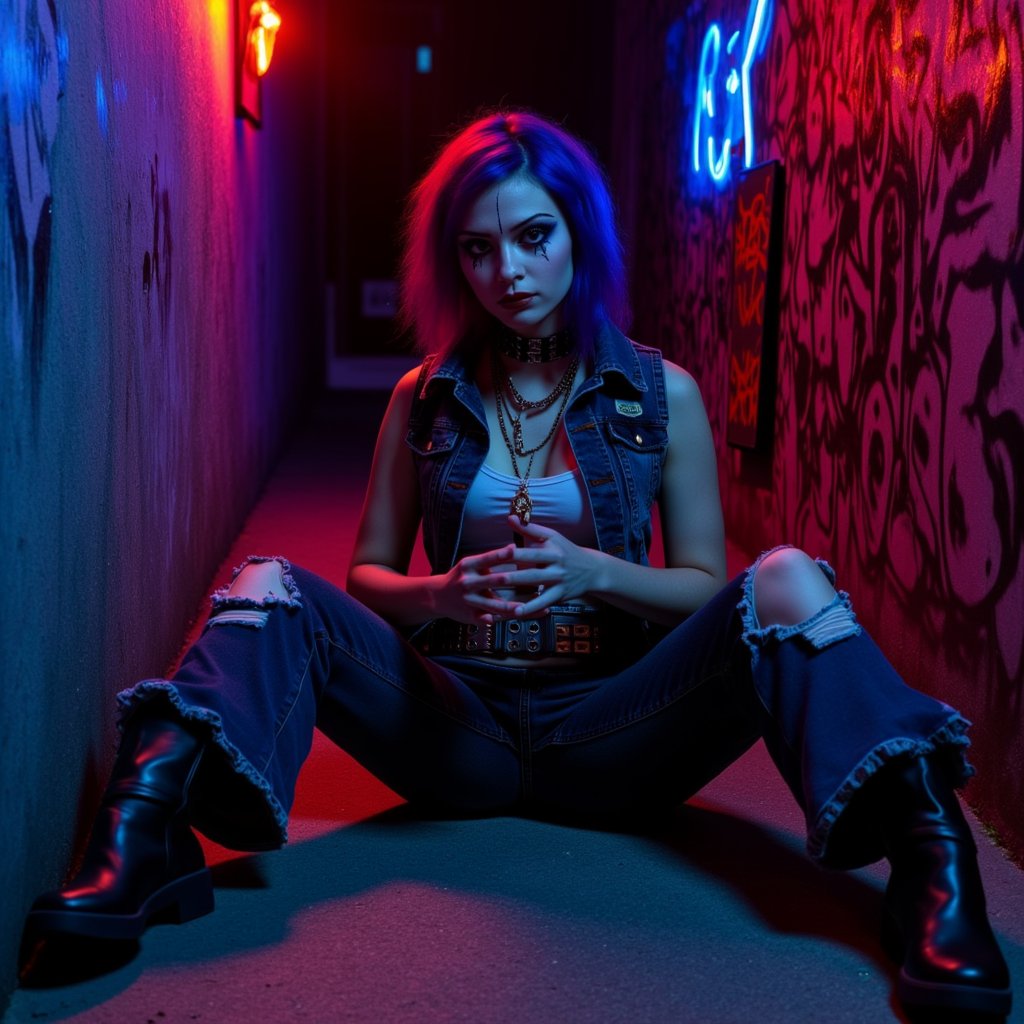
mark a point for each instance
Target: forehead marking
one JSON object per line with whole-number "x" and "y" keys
{"x": 497, "y": 209}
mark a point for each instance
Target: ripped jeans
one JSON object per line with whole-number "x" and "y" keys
{"x": 471, "y": 737}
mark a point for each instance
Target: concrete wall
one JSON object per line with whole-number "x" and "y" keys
{"x": 157, "y": 273}
{"x": 899, "y": 421}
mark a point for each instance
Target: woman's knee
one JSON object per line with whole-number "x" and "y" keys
{"x": 259, "y": 585}
{"x": 789, "y": 587}
{"x": 257, "y": 580}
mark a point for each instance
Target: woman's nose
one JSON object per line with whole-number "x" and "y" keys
{"x": 510, "y": 269}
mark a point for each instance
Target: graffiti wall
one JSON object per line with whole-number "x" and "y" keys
{"x": 898, "y": 441}
{"x": 35, "y": 56}
{"x": 157, "y": 279}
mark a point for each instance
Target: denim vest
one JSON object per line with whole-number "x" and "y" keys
{"x": 617, "y": 424}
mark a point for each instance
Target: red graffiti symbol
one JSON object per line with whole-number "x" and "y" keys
{"x": 751, "y": 264}
{"x": 743, "y": 389}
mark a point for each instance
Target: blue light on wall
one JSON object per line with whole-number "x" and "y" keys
{"x": 102, "y": 112}
{"x": 723, "y": 117}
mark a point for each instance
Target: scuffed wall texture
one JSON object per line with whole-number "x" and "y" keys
{"x": 156, "y": 281}
{"x": 899, "y": 421}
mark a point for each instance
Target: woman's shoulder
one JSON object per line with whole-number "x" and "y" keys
{"x": 411, "y": 384}
{"x": 409, "y": 380}
{"x": 403, "y": 396}
{"x": 681, "y": 388}
{"x": 679, "y": 383}
{"x": 675, "y": 376}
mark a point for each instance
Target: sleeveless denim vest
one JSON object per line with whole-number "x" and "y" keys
{"x": 617, "y": 424}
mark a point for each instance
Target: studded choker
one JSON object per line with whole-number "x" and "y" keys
{"x": 536, "y": 350}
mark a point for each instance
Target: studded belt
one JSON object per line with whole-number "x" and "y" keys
{"x": 569, "y": 630}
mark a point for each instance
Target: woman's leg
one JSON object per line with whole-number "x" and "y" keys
{"x": 232, "y": 728}
{"x": 836, "y": 710}
{"x": 660, "y": 729}
{"x": 897, "y": 798}
{"x": 871, "y": 761}
{"x": 271, "y": 666}
{"x": 654, "y": 733}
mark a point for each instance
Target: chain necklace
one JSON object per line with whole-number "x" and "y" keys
{"x": 522, "y": 504}
{"x": 521, "y": 404}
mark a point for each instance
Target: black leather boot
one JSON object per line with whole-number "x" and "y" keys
{"x": 142, "y": 857}
{"x": 935, "y": 922}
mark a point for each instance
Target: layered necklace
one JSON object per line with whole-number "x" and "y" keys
{"x": 507, "y": 394}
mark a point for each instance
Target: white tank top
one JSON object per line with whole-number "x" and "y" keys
{"x": 559, "y": 502}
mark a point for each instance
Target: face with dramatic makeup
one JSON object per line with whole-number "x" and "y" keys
{"x": 516, "y": 254}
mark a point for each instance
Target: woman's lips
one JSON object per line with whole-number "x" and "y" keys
{"x": 517, "y": 301}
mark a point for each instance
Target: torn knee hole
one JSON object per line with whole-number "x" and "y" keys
{"x": 259, "y": 581}
{"x": 824, "y": 620}
{"x": 835, "y": 622}
{"x": 259, "y": 585}
{"x": 789, "y": 587}
{"x": 254, "y": 618}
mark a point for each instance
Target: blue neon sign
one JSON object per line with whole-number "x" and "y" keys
{"x": 721, "y": 121}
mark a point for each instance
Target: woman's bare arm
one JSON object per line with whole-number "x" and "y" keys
{"x": 378, "y": 575}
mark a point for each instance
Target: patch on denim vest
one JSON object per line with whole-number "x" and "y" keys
{"x": 628, "y": 408}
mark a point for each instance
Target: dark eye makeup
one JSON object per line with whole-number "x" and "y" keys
{"x": 537, "y": 237}
{"x": 534, "y": 237}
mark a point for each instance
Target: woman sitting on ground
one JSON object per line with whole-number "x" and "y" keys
{"x": 543, "y": 667}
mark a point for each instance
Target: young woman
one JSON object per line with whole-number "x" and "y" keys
{"x": 544, "y": 667}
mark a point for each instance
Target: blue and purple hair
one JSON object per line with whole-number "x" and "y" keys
{"x": 436, "y": 300}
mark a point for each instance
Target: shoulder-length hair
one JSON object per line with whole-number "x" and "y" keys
{"x": 436, "y": 300}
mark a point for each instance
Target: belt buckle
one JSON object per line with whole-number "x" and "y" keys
{"x": 523, "y": 636}
{"x": 478, "y": 637}
{"x": 577, "y": 637}
{"x": 563, "y": 638}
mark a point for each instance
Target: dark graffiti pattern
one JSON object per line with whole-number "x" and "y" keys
{"x": 34, "y": 59}
{"x": 899, "y": 432}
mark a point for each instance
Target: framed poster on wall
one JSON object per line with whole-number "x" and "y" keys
{"x": 753, "y": 341}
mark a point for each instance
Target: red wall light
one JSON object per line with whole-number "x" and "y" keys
{"x": 256, "y": 26}
{"x": 264, "y": 22}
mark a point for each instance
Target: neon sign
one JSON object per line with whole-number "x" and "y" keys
{"x": 724, "y": 121}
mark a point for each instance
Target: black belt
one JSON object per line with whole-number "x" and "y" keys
{"x": 569, "y": 630}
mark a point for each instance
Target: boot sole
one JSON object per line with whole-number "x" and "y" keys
{"x": 182, "y": 900}
{"x": 915, "y": 992}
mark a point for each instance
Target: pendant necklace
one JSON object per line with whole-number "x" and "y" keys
{"x": 506, "y": 391}
{"x": 521, "y": 405}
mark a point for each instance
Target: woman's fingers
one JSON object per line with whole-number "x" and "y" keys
{"x": 528, "y": 577}
{"x": 536, "y": 556}
{"x": 473, "y": 572}
{"x": 497, "y": 605}
{"x": 532, "y": 531}
{"x": 483, "y": 578}
{"x": 488, "y": 558}
{"x": 539, "y": 604}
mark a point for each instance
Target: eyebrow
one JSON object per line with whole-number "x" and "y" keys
{"x": 515, "y": 227}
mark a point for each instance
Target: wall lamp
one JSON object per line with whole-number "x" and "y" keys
{"x": 256, "y": 26}
{"x": 264, "y": 22}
